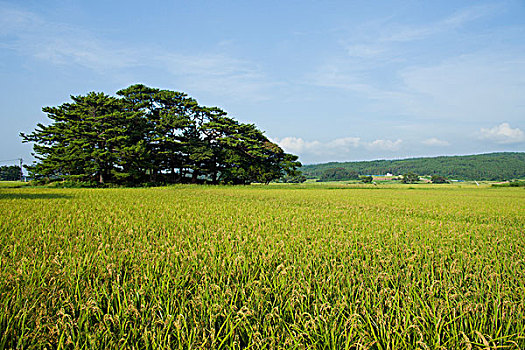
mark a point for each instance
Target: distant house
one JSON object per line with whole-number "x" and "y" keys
{"x": 389, "y": 174}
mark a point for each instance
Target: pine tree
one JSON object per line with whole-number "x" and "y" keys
{"x": 152, "y": 135}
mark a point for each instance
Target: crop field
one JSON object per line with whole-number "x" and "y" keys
{"x": 263, "y": 267}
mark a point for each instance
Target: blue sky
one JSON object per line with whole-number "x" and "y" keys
{"x": 327, "y": 80}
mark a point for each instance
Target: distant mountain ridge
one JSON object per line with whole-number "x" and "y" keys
{"x": 488, "y": 166}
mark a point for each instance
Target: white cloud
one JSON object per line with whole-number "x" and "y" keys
{"x": 298, "y": 145}
{"x": 377, "y": 39}
{"x": 469, "y": 87}
{"x": 88, "y": 53}
{"x": 61, "y": 44}
{"x": 294, "y": 144}
{"x": 364, "y": 50}
{"x": 217, "y": 73}
{"x": 385, "y": 145}
{"x": 344, "y": 143}
{"x": 337, "y": 75}
{"x": 340, "y": 148}
{"x": 434, "y": 141}
{"x": 376, "y": 67}
{"x": 502, "y": 134}
{"x": 451, "y": 22}
{"x": 69, "y": 46}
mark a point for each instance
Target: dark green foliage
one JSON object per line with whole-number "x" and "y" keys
{"x": 490, "y": 167}
{"x": 338, "y": 174}
{"x": 437, "y": 179}
{"x": 154, "y": 136}
{"x": 516, "y": 183}
{"x": 90, "y": 139}
{"x": 367, "y": 179}
{"x": 299, "y": 178}
{"x": 10, "y": 173}
{"x": 410, "y": 178}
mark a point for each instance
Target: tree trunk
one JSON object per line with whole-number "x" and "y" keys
{"x": 182, "y": 175}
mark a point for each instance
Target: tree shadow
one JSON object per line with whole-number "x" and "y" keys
{"x": 33, "y": 196}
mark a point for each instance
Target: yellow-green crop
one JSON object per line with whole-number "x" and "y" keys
{"x": 262, "y": 267}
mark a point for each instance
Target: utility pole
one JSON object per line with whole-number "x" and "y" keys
{"x": 21, "y": 161}
{"x": 21, "y": 169}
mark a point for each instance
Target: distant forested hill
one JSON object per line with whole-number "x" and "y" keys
{"x": 490, "y": 166}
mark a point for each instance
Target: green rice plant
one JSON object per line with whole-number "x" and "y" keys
{"x": 263, "y": 267}
{"x": 13, "y": 184}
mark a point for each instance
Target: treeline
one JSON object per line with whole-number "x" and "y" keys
{"x": 152, "y": 135}
{"x": 491, "y": 167}
{"x": 338, "y": 174}
{"x": 10, "y": 173}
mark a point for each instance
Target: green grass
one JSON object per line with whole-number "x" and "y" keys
{"x": 263, "y": 267}
{"x": 13, "y": 184}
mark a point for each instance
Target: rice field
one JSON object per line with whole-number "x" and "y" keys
{"x": 263, "y": 267}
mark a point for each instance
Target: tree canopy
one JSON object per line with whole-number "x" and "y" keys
{"x": 438, "y": 179}
{"x": 152, "y": 135}
{"x": 410, "y": 178}
{"x": 367, "y": 179}
{"x": 338, "y": 174}
{"x": 10, "y": 173}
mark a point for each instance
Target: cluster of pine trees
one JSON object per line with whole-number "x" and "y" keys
{"x": 151, "y": 135}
